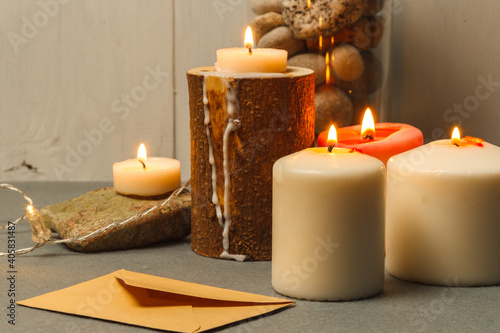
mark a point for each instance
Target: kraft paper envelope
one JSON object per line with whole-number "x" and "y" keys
{"x": 156, "y": 302}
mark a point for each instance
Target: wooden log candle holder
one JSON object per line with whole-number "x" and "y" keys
{"x": 240, "y": 125}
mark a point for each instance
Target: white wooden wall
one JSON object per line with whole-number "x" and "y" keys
{"x": 83, "y": 82}
{"x": 444, "y": 52}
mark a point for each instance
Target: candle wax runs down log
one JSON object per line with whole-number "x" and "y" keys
{"x": 240, "y": 125}
{"x": 443, "y": 213}
{"x": 390, "y": 139}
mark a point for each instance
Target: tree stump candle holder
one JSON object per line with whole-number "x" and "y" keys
{"x": 241, "y": 123}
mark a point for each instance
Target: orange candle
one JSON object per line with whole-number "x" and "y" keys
{"x": 381, "y": 140}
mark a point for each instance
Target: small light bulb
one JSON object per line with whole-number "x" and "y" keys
{"x": 40, "y": 233}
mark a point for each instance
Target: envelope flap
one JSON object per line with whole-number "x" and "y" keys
{"x": 192, "y": 289}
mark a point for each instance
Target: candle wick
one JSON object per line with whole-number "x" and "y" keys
{"x": 143, "y": 164}
{"x": 368, "y": 136}
{"x": 330, "y": 147}
{"x": 249, "y": 50}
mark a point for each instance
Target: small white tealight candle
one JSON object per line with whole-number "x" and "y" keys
{"x": 146, "y": 176}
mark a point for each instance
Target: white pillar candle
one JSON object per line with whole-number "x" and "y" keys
{"x": 154, "y": 176}
{"x": 443, "y": 207}
{"x": 249, "y": 60}
{"x": 328, "y": 225}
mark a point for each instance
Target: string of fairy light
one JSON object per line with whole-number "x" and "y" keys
{"x": 41, "y": 235}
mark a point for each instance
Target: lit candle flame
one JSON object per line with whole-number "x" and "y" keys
{"x": 465, "y": 141}
{"x": 142, "y": 155}
{"x": 332, "y": 138}
{"x": 320, "y": 42}
{"x": 249, "y": 39}
{"x": 368, "y": 126}
{"x": 308, "y": 4}
{"x": 455, "y": 137}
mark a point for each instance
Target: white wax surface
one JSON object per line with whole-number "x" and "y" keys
{"x": 239, "y": 60}
{"x": 328, "y": 225}
{"x": 162, "y": 175}
{"x": 443, "y": 207}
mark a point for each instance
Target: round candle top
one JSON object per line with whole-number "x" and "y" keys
{"x": 328, "y": 160}
{"x": 146, "y": 176}
{"x": 320, "y": 162}
{"x": 387, "y": 140}
{"x": 443, "y": 158}
{"x": 247, "y": 59}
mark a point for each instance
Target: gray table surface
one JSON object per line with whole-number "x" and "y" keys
{"x": 401, "y": 307}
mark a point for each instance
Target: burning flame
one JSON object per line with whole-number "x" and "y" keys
{"x": 320, "y": 42}
{"x": 466, "y": 141}
{"x": 332, "y": 136}
{"x": 141, "y": 153}
{"x": 308, "y": 4}
{"x": 456, "y": 133}
{"x": 248, "y": 38}
{"x": 368, "y": 126}
{"x": 455, "y": 136}
{"x": 142, "y": 156}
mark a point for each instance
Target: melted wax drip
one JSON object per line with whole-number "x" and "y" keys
{"x": 232, "y": 125}
{"x": 211, "y": 158}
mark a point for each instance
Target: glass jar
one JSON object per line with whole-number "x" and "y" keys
{"x": 347, "y": 44}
